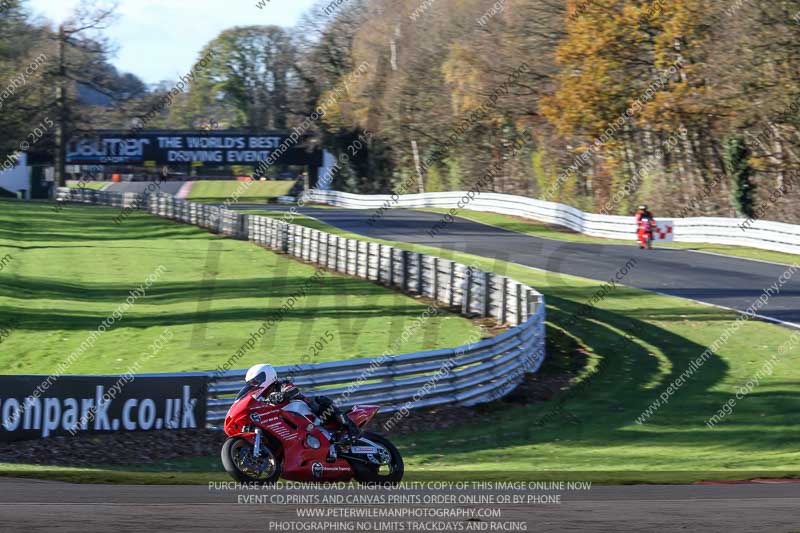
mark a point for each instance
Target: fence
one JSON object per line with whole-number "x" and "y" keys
{"x": 465, "y": 375}
{"x": 731, "y": 231}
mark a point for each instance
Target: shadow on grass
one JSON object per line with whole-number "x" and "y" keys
{"x": 40, "y": 222}
{"x": 239, "y": 201}
{"x": 63, "y": 319}
{"x": 187, "y": 291}
{"x": 603, "y": 416}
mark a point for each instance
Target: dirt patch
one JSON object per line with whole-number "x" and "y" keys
{"x": 115, "y": 449}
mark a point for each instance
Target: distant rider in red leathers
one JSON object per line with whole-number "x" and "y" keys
{"x": 646, "y": 223}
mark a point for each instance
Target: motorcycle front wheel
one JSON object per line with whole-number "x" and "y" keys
{"x": 389, "y": 473}
{"x": 243, "y": 466}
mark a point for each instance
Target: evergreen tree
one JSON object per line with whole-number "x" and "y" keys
{"x": 737, "y": 157}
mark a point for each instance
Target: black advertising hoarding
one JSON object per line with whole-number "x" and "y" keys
{"x": 222, "y": 148}
{"x": 34, "y": 407}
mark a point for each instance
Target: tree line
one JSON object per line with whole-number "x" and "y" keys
{"x": 692, "y": 107}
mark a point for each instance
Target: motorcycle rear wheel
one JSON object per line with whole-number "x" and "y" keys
{"x": 237, "y": 458}
{"x": 373, "y": 474}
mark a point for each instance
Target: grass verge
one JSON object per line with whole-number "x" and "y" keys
{"x": 239, "y": 191}
{"x": 69, "y": 271}
{"x": 201, "y": 471}
{"x": 92, "y": 185}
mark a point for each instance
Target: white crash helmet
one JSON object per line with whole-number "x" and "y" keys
{"x": 261, "y": 376}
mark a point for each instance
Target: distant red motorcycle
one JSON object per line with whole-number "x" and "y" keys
{"x": 646, "y": 233}
{"x": 288, "y": 441}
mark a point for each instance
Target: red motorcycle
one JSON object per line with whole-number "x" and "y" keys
{"x": 647, "y": 228}
{"x": 267, "y": 442}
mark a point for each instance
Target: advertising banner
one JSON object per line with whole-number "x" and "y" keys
{"x": 33, "y": 407}
{"x": 221, "y": 148}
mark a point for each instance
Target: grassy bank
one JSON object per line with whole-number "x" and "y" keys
{"x": 69, "y": 271}
{"x": 239, "y": 191}
{"x": 93, "y": 185}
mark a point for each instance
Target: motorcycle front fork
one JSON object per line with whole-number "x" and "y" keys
{"x": 257, "y": 444}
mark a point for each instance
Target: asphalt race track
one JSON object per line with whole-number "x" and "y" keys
{"x": 715, "y": 279}
{"x": 42, "y": 506}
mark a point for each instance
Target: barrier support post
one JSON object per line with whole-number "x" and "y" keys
{"x": 466, "y": 298}
{"x": 285, "y": 238}
{"x": 435, "y": 278}
{"x": 487, "y": 293}
{"x": 452, "y": 285}
{"x": 404, "y": 257}
{"x": 420, "y": 277}
{"x": 503, "y": 315}
{"x": 391, "y": 266}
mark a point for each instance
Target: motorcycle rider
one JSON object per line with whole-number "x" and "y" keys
{"x": 277, "y": 392}
{"x": 646, "y": 222}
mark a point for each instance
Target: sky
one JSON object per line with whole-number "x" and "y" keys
{"x": 161, "y": 39}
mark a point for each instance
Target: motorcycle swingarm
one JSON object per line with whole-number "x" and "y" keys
{"x": 356, "y": 458}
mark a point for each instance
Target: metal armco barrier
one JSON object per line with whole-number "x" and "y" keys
{"x": 478, "y": 372}
{"x": 762, "y": 234}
